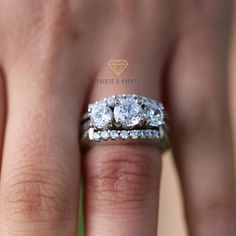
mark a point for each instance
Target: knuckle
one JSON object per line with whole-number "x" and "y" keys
{"x": 52, "y": 24}
{"x": 36, "y": 194}
{"x": 124, "y": 177}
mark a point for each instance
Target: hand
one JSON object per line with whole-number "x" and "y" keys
{"x": 52, "y": 54}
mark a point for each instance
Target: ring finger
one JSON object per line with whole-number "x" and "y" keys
{"x": 122, "y": 181}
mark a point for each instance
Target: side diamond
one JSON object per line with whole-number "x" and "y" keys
{"x": 154, "y": 114}
{"x": 101, "y": 116}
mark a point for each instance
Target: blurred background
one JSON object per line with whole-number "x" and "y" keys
{"x": 171, "y": 219}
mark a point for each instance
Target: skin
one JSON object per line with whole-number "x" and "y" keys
{"x": 51, "y": 54}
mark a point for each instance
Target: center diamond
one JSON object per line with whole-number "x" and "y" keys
{"x": 128, "y": 112}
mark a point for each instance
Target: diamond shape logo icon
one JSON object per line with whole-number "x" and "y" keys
{"x": 118, "y": 66}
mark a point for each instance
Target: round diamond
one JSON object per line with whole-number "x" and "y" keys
{"x": 101, "y": 116}
{"x": 104, "y": 135}
{"x": 124, "y": 134}
{"x": 153, "y": 134}
{"x": 156, "y": 134}
{"x": 96, "y": 136}
{"x": 134, "y": 134}
{"x": 114, "y": 134}
{"x": 150, "y": 133}
{"x": 142, "y": 134}
{"x": 154, "y": 114}
{"x": 128, "y": 112}
{"x": 147, "y": 133}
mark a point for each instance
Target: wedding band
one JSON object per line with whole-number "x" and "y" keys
{"x": 126, "y": 117}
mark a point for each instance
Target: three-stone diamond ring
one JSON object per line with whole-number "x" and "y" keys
{"x": 126, "y": 117}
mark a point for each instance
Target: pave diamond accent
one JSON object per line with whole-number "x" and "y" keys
{"x": 114, "y": 134}
{"x": 127, "y": 112}
{"x": 101, "y": 116}
{"x": 96, "y": 136}
{"x": 151, "y": 134}
{"x": 124, "y": 134}
{"x": 155, "y": 134}
{"x": 142, "y": 134}
{"x": 104, "y": 135}
{"x": 134, "y": 134}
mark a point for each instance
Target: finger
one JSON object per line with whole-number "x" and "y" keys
{"x": 40, "y": 169}
{"x": 201, "y": 130}
{"x": 2, "y": 110}
{"x": 122, "y": 181}
{"x": 122, "y": 188}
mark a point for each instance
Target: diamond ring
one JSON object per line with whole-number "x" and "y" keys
{"x": 126, "y": 116}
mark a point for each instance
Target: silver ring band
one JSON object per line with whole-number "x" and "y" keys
{"x": 123, "y": 117}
